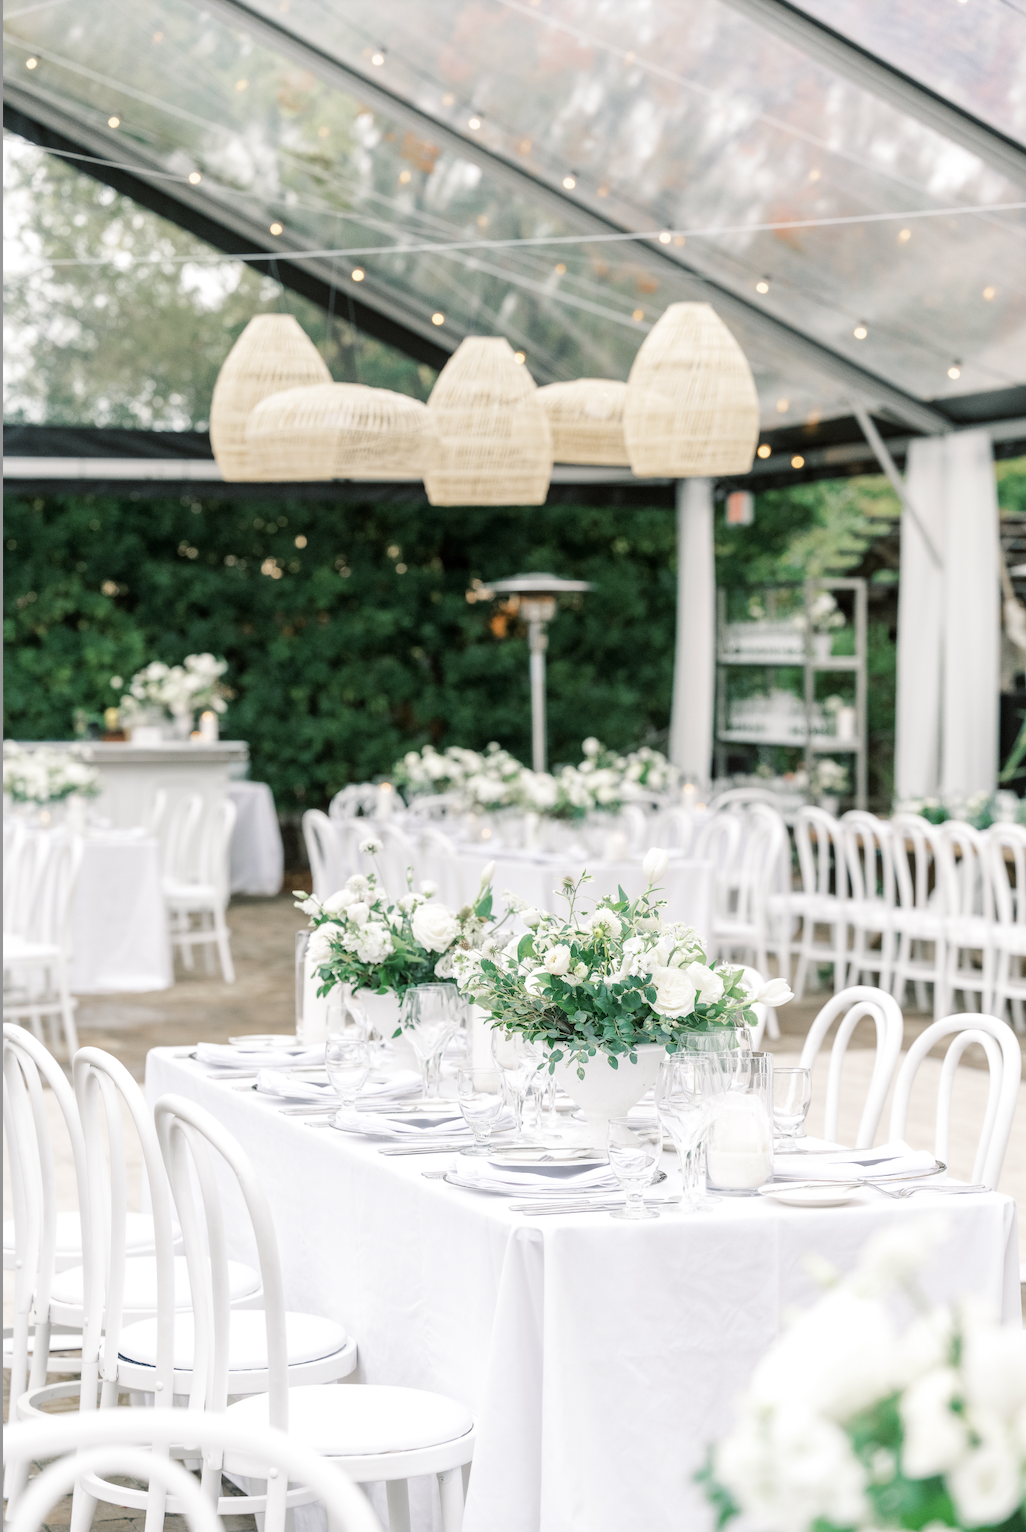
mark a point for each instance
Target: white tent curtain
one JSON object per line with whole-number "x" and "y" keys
{"x": 694, "y": 666}
{"x": 949, "y": 622}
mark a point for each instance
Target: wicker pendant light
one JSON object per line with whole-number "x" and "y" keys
{"x": 496, "y": 441}
{"x": 692, "y": 410}
{"x": 341, "y": 431}
{"x": 271, "y": 354}
{"x": 586, "y": 417}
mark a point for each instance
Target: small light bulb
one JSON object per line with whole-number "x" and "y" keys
{"x": 782, "y": 406}
{"x": 404, "y": 177}
{"x": 814, "y": 175}
{"x": 665, "y": 237}
{"x": 194, "y": 178}
{"x": 31, "y": 63}
{"x": 520, "y": 356}
{"x": 377, "y": 59}
{"x": 904, "y": 235}
{"x": 113, "y": 122}
{"x": 954, "y": 371}
{"x": 474, "y": 123}
{"x": 448, "y": 99}
{"x": 276, "y": 228}
{"x": 358, "y": 274}
{"x": 860, "y": 332}
{"x": 989, "y": 293}
{"x": 241, "y": 84}
{"x": 603, "y": 191}
{"x": 569, "y": 182}
{"x": 797, "y": 461}
{"x": 437, "y": 318}
{"x": 762, "y": 286}
{"x": 322, "y": 132}
{"x": 482, "y": 220}
{"x": 638, "y": 314}
{"x": 764, "y": 451}
{"x": 560, "y": 269}
{"x": 158, "y": 37}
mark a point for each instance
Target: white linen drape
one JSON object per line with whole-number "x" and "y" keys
{"x": 694, "y": 664}
{"x": 948, "y": 621}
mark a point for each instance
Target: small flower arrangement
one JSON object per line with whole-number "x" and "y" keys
{"x": 848, "y": 1423}
{"x": 829, "y": 777}
{"x": 823, "y": 615}
{"x": 607, "y": 979}
{"x": 176, "y": 689}
{"x": 45, "y": 775}
{"x": 363, "y": 939}
{"x": 978, "y": 810}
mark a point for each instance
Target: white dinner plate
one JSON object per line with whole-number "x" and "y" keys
{"x": 826, "y": 1195}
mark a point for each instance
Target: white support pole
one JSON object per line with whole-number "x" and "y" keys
{"x": 694, "y": 665}
{"x": 538, "y": 642}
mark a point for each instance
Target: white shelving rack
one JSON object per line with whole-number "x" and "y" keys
{"x": 787, "y": 648}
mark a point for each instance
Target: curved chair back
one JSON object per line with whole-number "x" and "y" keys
{"x": 117, "y": 1439}
{"x": 154, "y": 821}
{"x": 718, "y": 840}
{"x": 180, "y": 840}
{"x": 437, "y": 859}
{"x": 867, "y": 854}
{"x": 852, "y": 1005}
{"x": 322, "y": 836}
{"x": 916, "y": 846}
{"x": 51, "y": 918}
{"x": 356, "y": 800}
{"x": 24, "y": 882}
{"x": 675, "y": 829}
{"x": 744, "y": 797}
{"x": 1004, "y": 1057}
{"x": 398, "y": 859}
{"x": 819, "y": 840}
{"x": 965, "y": 871}
{"x": 763, "y": 845}
{"x": 1006, "y": 851}
{"x": 215, "y": 843}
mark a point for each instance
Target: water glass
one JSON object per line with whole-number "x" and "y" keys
{"x": 347, "y": 1061}
{"x": 429, "y": 1017}
{"x": 482, "y": 1098}
{"x": 635, "y": 1149}
{"x": 686, "y": 1093}
{"x": 792, "y": 1096}
{"x": 346, "y": 1016}
{"x": 515, "y": 1058}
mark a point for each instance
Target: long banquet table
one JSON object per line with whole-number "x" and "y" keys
{"x": 600, "y": 1358}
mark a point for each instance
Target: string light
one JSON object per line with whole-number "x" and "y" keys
{"x": 954, "y": 371}
{"x": 322, "y": 132}
{"x": 904, "y": 235}
{"x": 560, "y": 269}
{"x": 603, "y": 191}
{"x": 194, "y": 178}
{"x": 860, "y": 332}
{"x": 276, "y": 228}
{"x": 520, "y": 356}
{"x": 377, "y": 59}
{"x": 113, "y": 122}
{"x": 448, "y": 99}
{"x": 665, "y": 237}
{"x": 31, "y": 63}
{"x": 989, "y": 293}
{"x": 437, "y": 318}
{"x": 762, "y": 286}
{"x": 569, "y": 182}
{"x": 482, "y": 220}
{"x": 814, "y": 175}
{"x": 474, "y": 123}
{"x": 241, "y": 84}
{"x": 638, "y": 315}
{"x": 764, "y": 451}
{"x": 358, "y": 274}
{"x": 158, "y": 37}
{"x": 404, "y": 177}
{"x": 797, "y": 461}
{"x": 782, "y": 406}
{"x": 525, "y": 146}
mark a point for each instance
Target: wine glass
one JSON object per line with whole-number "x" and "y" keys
{"x": 429, "y": 1018}
{"x": 482, "y": 1098}
{"x": 792, "y": 1096}
{"x": 511, "y": 1053}
{"x": 347, "y": 1061}
{"x": 345, "y": 1016}
{"x": 634, "y": 1148}
{"x": 686, "y": 1094}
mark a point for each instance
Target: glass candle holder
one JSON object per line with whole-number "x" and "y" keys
{"x": 739, "y": 1142}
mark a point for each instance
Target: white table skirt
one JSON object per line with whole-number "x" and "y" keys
{"x": 257, "y": 857}
{"x": 600, "y": 1359}
{"x": 120, "y": 937}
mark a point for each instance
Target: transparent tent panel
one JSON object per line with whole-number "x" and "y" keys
{"x": 727, "y": 131}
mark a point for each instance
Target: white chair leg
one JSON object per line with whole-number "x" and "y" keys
{"x": 185, "y": 946}
{"x": 397, "y": 1498}
{"x": 772, "y": 1024}
{"x": 223, "y": 947}
{"x": 68, "y": 1016}
{"x": 450, "y": 1487}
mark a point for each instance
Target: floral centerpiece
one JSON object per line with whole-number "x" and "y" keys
{"x": 850, "y": 1423}
{"x": 175, "y": 690}
{"x": 363, "y": 939}
{"x": 607, "y": 980}
{"x": 44, "y": 775}
{"x": 829, "y": 777}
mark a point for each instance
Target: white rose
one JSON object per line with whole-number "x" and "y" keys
{"x": 775, "y": 992}
{"x": 590, "y": 746}
{"x": 434, "y": 926}
{"x": 318, "y": 948}
{"x": 708, "y": 984}
{"x": 557, "y": 961}
{"x": 655, "y": 864}
{"x": 935, "y": 1437}
{"x": 358, "y": 913}
{"x": 339, "y": 901}
{"x": 675, "y": 993}
{"x": 986, "y": 1485}
{"x": 445, "y": 968}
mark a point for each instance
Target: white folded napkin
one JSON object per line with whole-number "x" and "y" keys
{"x": 554, "y": 1180}
{"x": 271, "y": 1082}
{"x": 884, "y": 1163}
{"x": 416, "y": 1128}
{"x": 225, "y": 1056}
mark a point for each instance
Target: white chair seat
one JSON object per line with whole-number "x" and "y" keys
{"x": 141, "y": 1284}
{"x": 193, "y": 894}
{"x": 19, "y": 950}
{"x": 969, "y": 931}
{"x": 824, "y": 908}
{"x": 871, "y": 914}
{"x": 307, "y": 1338}
{"x": 68, "y": 1245}
{"x": 921, "y": 925}
{"x": 360, "y": 1422}
{"x": 1008, "y": 938}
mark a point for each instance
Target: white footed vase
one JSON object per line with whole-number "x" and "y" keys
{"x": 606, "y": 1092}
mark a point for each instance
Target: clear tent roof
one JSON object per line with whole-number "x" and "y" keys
{"x": 479, "y": 162}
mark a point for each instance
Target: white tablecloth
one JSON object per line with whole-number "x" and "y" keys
{"x": 119, "y": 921}
{"x": 257, "y": 857}
{"x": 599, "y": 1358}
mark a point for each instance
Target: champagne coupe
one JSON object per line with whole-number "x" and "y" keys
{"x": 792, "y": 1096}
{"x": 686, "y": 1094}
{"x": 429, "y": 1017}
{"x": 481, "y": 1099}
{"x": 635, "y": 1149}
{"x": 347, "y": 1061}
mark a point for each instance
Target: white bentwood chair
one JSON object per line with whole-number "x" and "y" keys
{"x": 1004, "y": 1057}
{"x": 136, "y": 1443}
{"x": 324, "y": 853}
{"x": 822, "y": 899}
{"x": 374, "y": 1432}
{"x": 870, "y": 866}
{"x": 853, "y": 1005}
{"x": 37, "y": 952}
{"x": 1006, "y": 849}
{"x": 918, "y": 920}
{"x": 969, "y": 919}
{"x": 747, "y": 928}
{"x": 206, "y": 895}
{"x": 358, "y": 800}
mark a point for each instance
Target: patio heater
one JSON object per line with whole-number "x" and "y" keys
{"x": 536, "y": 596}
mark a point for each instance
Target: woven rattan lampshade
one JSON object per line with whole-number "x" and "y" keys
{"x": 586, "y": 417}
{"x": 271, "y": 354}
{"x": 691, "y": 409}
{"x": 496, "y": 441}
{"x": 341, "y": 431}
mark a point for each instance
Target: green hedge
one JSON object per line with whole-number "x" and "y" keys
{"x": 342, "y": 661}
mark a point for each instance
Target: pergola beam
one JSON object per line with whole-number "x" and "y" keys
{"x": 781, "y": 337}
{"x": 839, "y": 53}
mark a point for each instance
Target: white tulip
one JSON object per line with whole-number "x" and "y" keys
{"x": 775, "y": 992}
{"x": 708, "y": 984}
{"x": 318, "y": 948}
{"x": 655, "y": 864}
{"x": 358, "y": 913}
{"x": 340, "y": 901}
{"x": 487, "y": 874}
